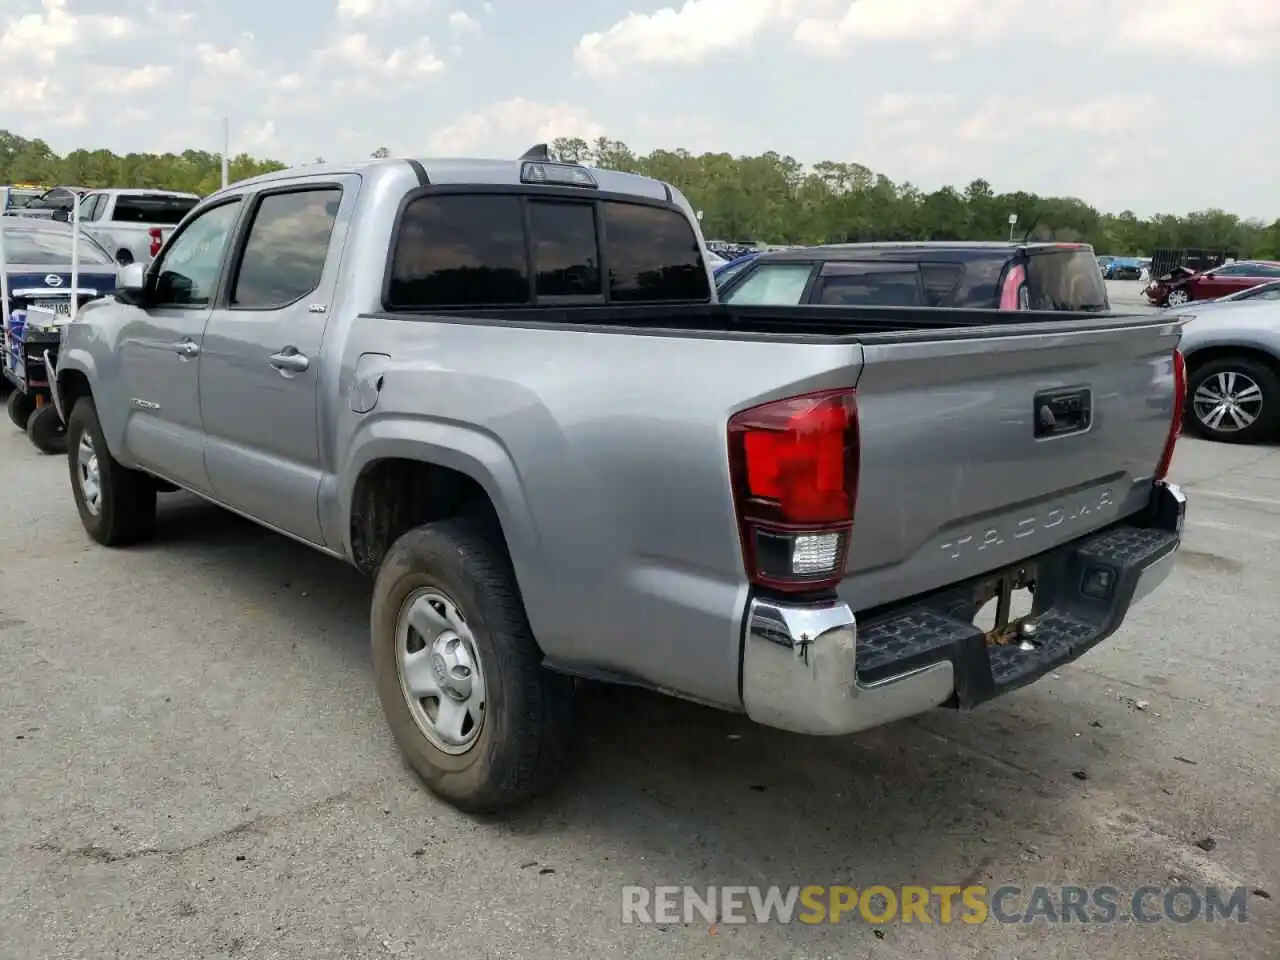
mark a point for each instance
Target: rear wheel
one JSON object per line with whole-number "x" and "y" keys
{"x": 19, "y": 407}
{"x": 1234, "y": 400}
{"x": 46, "y": 431}
{"x": 458, "y": 672}
{"x": 117, "y": 505}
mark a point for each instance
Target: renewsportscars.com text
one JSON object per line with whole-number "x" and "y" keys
{"x": 941, "y": 904}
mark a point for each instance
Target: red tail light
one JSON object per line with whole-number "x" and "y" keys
{"x": 156, "y": 240}
{"x": 794, "y": 469}
{"x": 1009, "y": 299}
{"x": 1179, "y": 410}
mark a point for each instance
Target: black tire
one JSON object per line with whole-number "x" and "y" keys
{"x": 1266, "y": 424}
{"x": 46, "y": 431}
{"x": 19, "y": 407}
{"x": 126, "y": 506}
{"x": 529, "y": 711}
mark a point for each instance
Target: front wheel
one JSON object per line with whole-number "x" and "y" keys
{"x": 1234, "y": 400}
{"x": 458, "y": 672}
{"x": 46, "y": 431}
{"x": 1176, "y": 298}
{"x": 117, "y": 505}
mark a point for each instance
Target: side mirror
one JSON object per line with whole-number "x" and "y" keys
{"x": 131, "y": 284}
{"x": 62, "y": 215}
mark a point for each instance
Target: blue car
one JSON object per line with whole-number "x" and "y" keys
{"x": 726, "y": 271}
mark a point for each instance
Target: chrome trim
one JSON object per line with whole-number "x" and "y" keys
{"x": 799, "y": 673}
{"x": 51, "y": 293}
{"x": 1179, "y": 501}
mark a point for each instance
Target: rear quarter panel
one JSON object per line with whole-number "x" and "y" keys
{"x": 606, "y": 457}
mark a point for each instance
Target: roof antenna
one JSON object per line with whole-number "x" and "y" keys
{"x": 537, "y": 152}
{"x": 1034, "y": 222}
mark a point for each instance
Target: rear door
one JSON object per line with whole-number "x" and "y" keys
{"x": 260, "y": 362}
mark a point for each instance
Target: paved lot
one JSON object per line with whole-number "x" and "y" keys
{"x": 195, "y": 766}
{"x": 1126, "y": 297}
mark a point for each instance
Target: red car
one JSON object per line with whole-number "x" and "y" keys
{"x": 1184, "y": 285}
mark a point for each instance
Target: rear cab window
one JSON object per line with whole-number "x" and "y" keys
{"x": 1065, "y": 278}
{"x": 460, "y": 250}
{"x": 159, "y": 209}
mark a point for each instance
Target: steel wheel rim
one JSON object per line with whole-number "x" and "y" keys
{"x": 88, "y": 475}
{"x": 1228, "y": 402}
{"x": 439, "y": 669}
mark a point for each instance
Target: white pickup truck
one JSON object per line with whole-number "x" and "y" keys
{"x": 133, "y": 224}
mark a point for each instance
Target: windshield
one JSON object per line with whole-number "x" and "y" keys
{"x": 1066, "y": 279}
{"x": 23, "y": 244}
{"x": 731, "y": 270}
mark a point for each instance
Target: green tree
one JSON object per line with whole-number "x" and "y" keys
{"x": 771, "y": 198}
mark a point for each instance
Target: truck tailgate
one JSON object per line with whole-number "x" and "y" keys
{"x": 983, "y": 447}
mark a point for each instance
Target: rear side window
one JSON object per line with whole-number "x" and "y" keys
{"x": 1067, "y": 279}
{"x": 871, "y": 285}
{"x": 472, "y": 250}
{"x": 653, "y": 255}
{"x": 288, "y": 244}
{"x": 157, "y": 209}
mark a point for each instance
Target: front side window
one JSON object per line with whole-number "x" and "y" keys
{"x": 89, "y": 207}
{"x": 287, "y": 248}
{"x": 772, "y": 285}
{"x": 460, "y": 250}
{"x": 188, "y": 273}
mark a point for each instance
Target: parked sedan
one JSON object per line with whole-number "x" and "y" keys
{"x": 1184, "y": 285}
{"x": 1232, "y": 351}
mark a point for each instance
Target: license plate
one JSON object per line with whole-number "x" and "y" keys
{"x": 57, "y": 306}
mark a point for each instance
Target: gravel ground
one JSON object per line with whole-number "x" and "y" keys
{"x": 195, "y": 766}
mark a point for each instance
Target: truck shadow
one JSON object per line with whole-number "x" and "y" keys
{"x": 676, "y": 793}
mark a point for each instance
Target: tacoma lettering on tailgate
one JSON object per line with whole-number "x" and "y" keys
{"x": 1030, "y": 525}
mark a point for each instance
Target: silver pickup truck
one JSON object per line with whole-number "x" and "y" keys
{"x": 506, "y": 391}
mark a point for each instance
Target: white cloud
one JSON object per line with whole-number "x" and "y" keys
{"x": 143, "y": 78}
{"x": 463, "y": 22}
{"x": 508, "y": 128}
{"x": 1235, "y": 31}
{"x": 699, "y": 29}
{"x": 358, "y": 51}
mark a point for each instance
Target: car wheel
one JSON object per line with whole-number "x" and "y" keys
{"x": 45, "y": 430}
{"x": 459, "y": 674}
{"x": 1176, "y": 298}
{"x": 19, "y": 407}
{"x": 1234, "y": 400}
{"x": 117, "y": 505}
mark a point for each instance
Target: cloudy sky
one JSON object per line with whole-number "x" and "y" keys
{"x": 1116, "y": 103}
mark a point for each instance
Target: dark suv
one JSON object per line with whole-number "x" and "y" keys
{"x": 995, "y": 276}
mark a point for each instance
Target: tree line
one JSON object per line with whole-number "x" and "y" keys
{"x": 769, "y": 198}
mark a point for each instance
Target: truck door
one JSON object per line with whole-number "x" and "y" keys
{"x": 260, "y": 363}
{"x": 160, "y": 349}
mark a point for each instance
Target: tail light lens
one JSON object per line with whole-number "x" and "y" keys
{"x": 1179, "y": 410}
{"x": 794, "y": 469}
{"x": 156, "y": 240}
{"x": 1010, "y": 293}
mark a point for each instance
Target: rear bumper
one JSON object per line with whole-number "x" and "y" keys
{"x": 814, "y": 669}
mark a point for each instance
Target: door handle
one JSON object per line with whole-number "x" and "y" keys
{"x": 290, "y": 361}
{"x": 186, "y": 348}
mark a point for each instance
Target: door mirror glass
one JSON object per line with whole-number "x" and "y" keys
{"x": 132, "y": 279}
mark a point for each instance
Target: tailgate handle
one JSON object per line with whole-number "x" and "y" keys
{"x": 1061, "y": 412}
